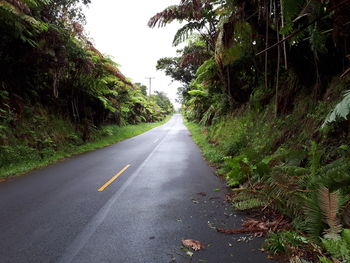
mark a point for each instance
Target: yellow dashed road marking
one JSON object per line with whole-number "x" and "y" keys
{"x": 113, "y": 178}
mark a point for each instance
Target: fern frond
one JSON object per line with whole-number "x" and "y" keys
{"x": 189, "y": 10}
{"x": 20, "y": 6}
{"x": 183, "y": 33}
{"x": 249, "y": 198}
{"x": 313, "y": 217}
{"x": 248, "y": 204}
{"x": 166, "y": 16}
{"x": 329, "y": 205}
{"x": 341, "y": 110}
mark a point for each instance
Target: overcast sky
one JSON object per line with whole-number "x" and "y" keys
{"x": 119, "y": 28}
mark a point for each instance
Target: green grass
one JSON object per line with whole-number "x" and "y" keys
{"x": 200, "y": 136}
{"x": 106, "y": 136}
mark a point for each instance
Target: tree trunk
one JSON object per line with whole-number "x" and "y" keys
{"x": 278, "y": 62}
{"x": 283, "y": 37}
{"x": 266, "y": 42}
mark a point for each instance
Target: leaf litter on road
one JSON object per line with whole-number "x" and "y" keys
{"x": 193, "y": 244}
{"x": 258, "y": 227}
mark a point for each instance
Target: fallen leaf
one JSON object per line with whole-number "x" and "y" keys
{"x": 189, "y": 253}
{"x": 193, "y": 244}
{"x": 254, "y": 226}
{"x": 202, "y": 194}
{"x": 195, "y": 201}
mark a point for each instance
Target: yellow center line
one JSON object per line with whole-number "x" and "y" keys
{"x": 113, "y": 178}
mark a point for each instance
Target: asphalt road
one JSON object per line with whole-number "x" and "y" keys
{"x": 57, "y": 214}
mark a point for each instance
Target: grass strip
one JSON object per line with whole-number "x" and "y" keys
{"x": 209, "y": 151}
{"x": 117, "y": 134}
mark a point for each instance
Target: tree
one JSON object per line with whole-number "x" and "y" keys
{"x": 163, "y": 101}
{"x": 199, "y": 15}
{"x": 292, "y": 36}
{"x": 183, "y": 68}
{"x": 142, "y": 87}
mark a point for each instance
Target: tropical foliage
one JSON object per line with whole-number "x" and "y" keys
{"x": 53, "y": 76}
{"x": 265, "y": 76}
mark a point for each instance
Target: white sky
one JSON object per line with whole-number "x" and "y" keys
{"x": 119, "y": 28}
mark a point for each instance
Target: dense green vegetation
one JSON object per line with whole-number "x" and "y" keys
{"x": 265, "y": 91}
{"x": 57, "y": 91}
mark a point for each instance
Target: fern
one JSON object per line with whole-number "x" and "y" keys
{"x": 284, "y": 192}
{"x": 248, "y": 199}
{"x": 339, "y": 249}
{"x": 329, "y": 205}
{"x": 183, "y": 33}
{"x": 325, "y": 260}
{"x": 314, "y": 224}
{"x": 335, "y": 176}
{"x": 208, "y": 116}
{"x": 284, "y": 242}
{"x": 341, "y": 110}
{"x": 206, "y": 71}
{"x": 198, "y": 93}
{"x": 24, "y": 26}
{"x": 248, "y": 204}
{"x": 314, "y": 158}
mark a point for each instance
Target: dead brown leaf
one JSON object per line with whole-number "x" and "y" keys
{"x": 258, "y": 227}
{"x": 193, "y": 244}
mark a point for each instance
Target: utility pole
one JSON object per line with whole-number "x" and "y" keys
{"x": 150, "y": 84}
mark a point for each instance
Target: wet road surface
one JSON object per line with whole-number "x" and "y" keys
{"x": 162, "y": 192}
